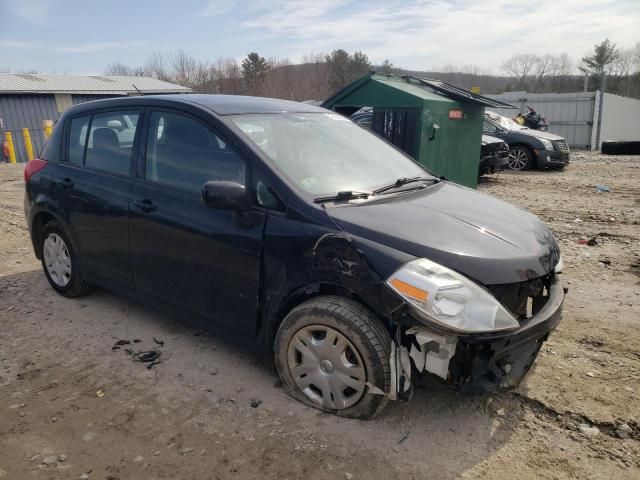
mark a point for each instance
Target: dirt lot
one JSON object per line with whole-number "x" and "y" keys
{"x": 69, "y": 405}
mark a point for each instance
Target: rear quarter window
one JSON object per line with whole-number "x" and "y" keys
{"x": 51, "y": 148}
{"x": 78, "y": 138}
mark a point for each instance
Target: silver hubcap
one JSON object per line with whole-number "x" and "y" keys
{"x": 326, "y": 367}
{"x": 518, "y": 159}
{"x": 57, "y": 260}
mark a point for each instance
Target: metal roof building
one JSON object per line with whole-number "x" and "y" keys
{"x": 27, "y": 100}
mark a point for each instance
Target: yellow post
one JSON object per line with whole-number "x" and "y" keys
{"x": 27, "y": 143}
{"x": 47, "y": 126}
{"x": 12, "y": 152}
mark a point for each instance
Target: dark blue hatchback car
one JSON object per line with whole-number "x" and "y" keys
{"x": 298, "y": 231}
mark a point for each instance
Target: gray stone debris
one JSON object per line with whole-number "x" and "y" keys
{"x": 588, "y": 430}
{"x": 623, "y": 431}
{"x": 50, "y": 460}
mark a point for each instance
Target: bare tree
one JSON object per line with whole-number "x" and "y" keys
{"x": 387, "y": 67}
{"x": 314, "y": 77}
{"x": 118, "y": 68}
{"x": 156, "y": 66}
{"x": 520, "y": 66}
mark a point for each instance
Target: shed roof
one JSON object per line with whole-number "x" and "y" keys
{"x": 14, "y": 83}
{"x": 423, "y": 88}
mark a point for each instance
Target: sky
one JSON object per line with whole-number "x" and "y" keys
{"x": 83, "y": 37}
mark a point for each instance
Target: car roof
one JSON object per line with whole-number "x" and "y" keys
{"x": 220, "y": 104}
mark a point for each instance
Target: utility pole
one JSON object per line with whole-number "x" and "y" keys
{"x": 603, "y": 81}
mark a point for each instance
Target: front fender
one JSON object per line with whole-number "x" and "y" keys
{"x": 302, "y": 260}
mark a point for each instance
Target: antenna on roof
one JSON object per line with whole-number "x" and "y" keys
{"x": 137, "y": 89}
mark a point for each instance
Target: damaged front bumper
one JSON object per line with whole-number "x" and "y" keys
{"x": 487, "y": 361}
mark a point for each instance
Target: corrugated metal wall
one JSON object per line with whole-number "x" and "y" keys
{"x": 28, "y": 111}
{"x": 570, "y": 115}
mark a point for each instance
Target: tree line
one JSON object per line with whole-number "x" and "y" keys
{"x": 319, "y": 75}
{"x": 315, "y": 78}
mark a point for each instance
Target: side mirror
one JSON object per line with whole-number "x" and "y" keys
{"x": 225, "y": 195}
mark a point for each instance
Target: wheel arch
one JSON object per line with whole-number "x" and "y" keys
{"x": 40, "y": 219}
{"x": 307, "y": 292}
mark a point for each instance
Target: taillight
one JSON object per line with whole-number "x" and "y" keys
{"x": 33, "y": 167}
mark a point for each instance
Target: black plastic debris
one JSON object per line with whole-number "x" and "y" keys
{"x": 148, "y": 356}
{"x": 592, "y": 242}
{"x": 255, "y": 403}
{"x": 604, "y": 260}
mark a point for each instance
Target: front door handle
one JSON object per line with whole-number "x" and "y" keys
{"x": 145, "y": 205}
{"x": 66, "y": 183}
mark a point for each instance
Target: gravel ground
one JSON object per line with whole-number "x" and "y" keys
{"x": 70, "y": 405}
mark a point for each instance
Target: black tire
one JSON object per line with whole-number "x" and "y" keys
{"x": 76, "y": 286}
{"x": 364, "y": 332}
{"x": 520, "y": 158}
{"x": 621, "y": 148}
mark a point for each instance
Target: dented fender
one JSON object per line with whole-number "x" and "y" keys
{"x": 301, "y": 260}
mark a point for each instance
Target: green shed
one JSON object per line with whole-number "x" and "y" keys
{"x": 438, "y": 124}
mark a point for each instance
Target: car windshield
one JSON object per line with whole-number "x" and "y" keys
{"x": 505, "y": 122}
{"x": 325, "y": 153}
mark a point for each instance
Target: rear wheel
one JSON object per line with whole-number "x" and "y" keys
{"x": 520, "y": 158}
{"x": 60, "y": 262}
{"x": 329, "y": 352}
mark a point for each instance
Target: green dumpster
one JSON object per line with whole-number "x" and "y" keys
{"x": 437, "y": 124}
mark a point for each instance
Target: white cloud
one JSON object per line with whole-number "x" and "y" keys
{"x": 96, "y": 47}
{"x": 428, "y": 33}
{"x": 12, "y": 44}
{"x": 36, "y": 11}
{"x": 219, "y": 7}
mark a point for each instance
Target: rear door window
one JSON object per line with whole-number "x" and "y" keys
{"x": 110, "y": 141}
{"x": 103, "y": 141}
{"x": 184, "y": 153}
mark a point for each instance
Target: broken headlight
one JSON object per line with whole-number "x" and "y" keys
{"x": 559, "y": 266}
{"x": 446, "y": 297}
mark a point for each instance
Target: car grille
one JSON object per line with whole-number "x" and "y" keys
{"x": 523, "y": 299}
{"x": 562, "y": 146}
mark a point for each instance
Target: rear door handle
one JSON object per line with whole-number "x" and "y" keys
{"x": 66, "y": 183}
{"x": 145, "y": 205}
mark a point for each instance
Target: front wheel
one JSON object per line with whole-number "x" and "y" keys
{"x": 60, "y": 262}
{"x": 520, "y": 158}
{"x": 329, "y": 352}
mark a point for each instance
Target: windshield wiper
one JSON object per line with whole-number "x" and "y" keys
{"x": 404, "y": 181}
{"x": 340, "y": 196}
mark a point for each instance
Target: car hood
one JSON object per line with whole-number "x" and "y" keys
{"x": 538, "y": 134}
{"x": 482, "y": 237}
{"x": 487, "y": 139}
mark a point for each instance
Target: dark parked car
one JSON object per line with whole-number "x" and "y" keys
{"x": 528, "y": 148}
{"x": 494, "y": 155}
{"x": 296, "y": 230}
{"x": 494, "y": 152}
